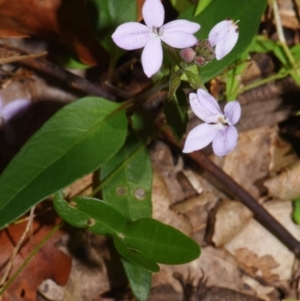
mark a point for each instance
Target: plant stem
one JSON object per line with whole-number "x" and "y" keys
{"x": 281, "y": 34}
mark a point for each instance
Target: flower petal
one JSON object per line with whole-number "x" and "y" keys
{"x": 225, "y": 141}
{"x": 14, "y": 108}
{"x": 232, "y": 111}
{"x": 152, "y": 57}
{"x": 153, "y": 13}
{"x": 205, "y": 106}
{"x": 199, "y": 137}
{"x": 224, "y": 47}
{"x": 178, "y": 39}
{"x": 181, "y": 25}
{"x": 131, "y": 35}
{"x": 218, "y": 32}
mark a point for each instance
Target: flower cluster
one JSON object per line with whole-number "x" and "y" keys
{"x": 217, "y": 128}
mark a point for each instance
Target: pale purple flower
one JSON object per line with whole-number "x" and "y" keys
{"x": 8, "y": 112}
{"x": 223, "y": 36}
{"x": 13, "y": 108}
{"x": 217, "y": 128}
{"x": 133, "y": 35}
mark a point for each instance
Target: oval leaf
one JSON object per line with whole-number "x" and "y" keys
{"x": 98, "y": 216}
{"x": 159, "y": 242}
{"x": 69, "y": 213}
{"x": 74, "y": 142}
{"x": 248, "y": 12}
{"x": 128, "y": 178}
{"x": 135, "y": 257}
{"x": 139, "y": 279}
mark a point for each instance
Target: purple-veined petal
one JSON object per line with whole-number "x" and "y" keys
{"x": 225, "y": 141}
{"x": 219, "y": 31}
{"x": 225, "y": 46}
{"x": 178, "y": 39}
{"x": 152, "y": 57}
{"x": 205, "y": 106}
{"x": 232, "y": 111}
{"x": 153, "y": 13}
{"x": 131, "y": 35}
{"x": 199, "y": 137}
{"x": 14, "y": 108}
{"x": 181, "y": 25}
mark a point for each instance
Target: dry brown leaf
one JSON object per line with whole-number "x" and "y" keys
{"x": 49, "y": 262}
{"x": 161, "y": 206}
{"x": 286, "y": 185}
{"x": 230, "y": 219}
{"x": 65, "y": 20}
{"x": 288, "y": 14}
{"x": 282, "y": 154}
{"x": 259, "y": 250}
{"x": 248, "y": 163}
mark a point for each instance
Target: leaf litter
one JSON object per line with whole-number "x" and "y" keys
{"x": 240, "y": 259}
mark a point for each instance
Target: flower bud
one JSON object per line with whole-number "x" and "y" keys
{"x": 187, "y": 54}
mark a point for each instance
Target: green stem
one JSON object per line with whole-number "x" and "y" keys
{"x": 281, "y": 34}
{"x": 261, "y": 82}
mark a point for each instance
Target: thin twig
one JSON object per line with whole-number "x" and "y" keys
{"x": 60, "y": 73}
{"x": 16, "y": 57}
{"x": 30, "y": 256}
{"x": 260, "y": 213}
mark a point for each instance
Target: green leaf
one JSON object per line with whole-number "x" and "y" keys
{"x": 135, "y": 257}
{"x": 181, "y": 5}
{"x": 74, "y": 142}
{"x": 69, "y": 213}
{"x": 100, "y": 217}
{"x": 295, "y": 72}
{"x": 159, "y": 242}
{"x": 129, "y": 174}
{"x": 139, "y": 279}
{"x": 195, "y": 80}
{"x": 128, "y": 177}
{"x": 201, "y": 6}
{"x": 71, "y": 62}
{"x": 175, "y": 111}
{"x": 106, "y": 15}
{"x": 296, "y": 211}
{"x": 143, "y": 125}
{"x": 248, "y": 12}
{"x": 262, "y": 44}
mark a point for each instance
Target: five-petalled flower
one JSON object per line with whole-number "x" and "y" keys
{"x": 133, "y": 35}
{"x": 217, "y": 128}
{"x": 223, "y": 36}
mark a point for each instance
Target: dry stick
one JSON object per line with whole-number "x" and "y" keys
{"x": 69, "y": 78}
{"x": 260, "y": 213}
